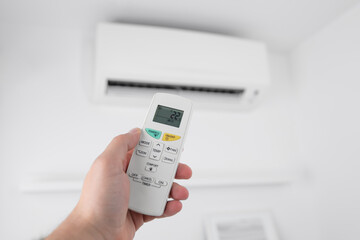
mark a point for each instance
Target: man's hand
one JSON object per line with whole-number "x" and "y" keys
{"x": 102, "y": 211}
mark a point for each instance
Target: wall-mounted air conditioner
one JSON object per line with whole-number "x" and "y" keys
{"x": 133, "y": 62}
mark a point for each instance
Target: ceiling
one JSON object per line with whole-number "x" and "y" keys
{"x": 282, "y": 24}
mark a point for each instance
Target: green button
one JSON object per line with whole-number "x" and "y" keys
{"x": 154, "y": 133}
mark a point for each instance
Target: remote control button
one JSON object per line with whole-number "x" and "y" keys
{"x": 147, "y": 179}
{"x": 155, "y": 156}
{"x": 158, "y": 146}
{"x": 168, "y": 159}
{"x": 142, "y": 153}
{"x": 150, "y": 168}
{"x": 134, "y": 175}
{"x": 156, "y": 151}
{"x": 145, "y": 143}
{"x": 170, "y": 137}
{"x": 161, "y": 182}
{"x": 153, "y": 133}
{"x": 171, "y": 149}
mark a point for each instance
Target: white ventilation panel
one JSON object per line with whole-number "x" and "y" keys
{"x": 133, "y": 62}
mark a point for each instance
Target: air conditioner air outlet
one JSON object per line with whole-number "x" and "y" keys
{"x": 117, "y": 84}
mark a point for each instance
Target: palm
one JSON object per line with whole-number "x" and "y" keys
{"x": 102, "y": 211}
{"x": 106, "y": 190}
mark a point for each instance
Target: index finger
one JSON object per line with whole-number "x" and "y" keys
{"x": 119, "y": 147}
{"x": 183, "y": 171}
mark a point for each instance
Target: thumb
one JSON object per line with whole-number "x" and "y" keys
{"x": 119, "y": 147}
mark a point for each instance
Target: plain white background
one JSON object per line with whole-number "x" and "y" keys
{"x": 307, "y": 126}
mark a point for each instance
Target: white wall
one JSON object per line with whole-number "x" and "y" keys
{"x": 326, "y": 70}
{"x": 48, "y": 126}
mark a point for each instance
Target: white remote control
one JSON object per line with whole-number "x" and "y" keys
{"x": 153, "y": 165}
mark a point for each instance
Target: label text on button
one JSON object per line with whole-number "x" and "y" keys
{"x": 141, "y": 152}
{"x": 146, "y": 179}
{"x": 171, "y": 149}
{"x": 170, "y": 137}
{"x": 145, "y": 143}
{"x": 161, "y": 182}
{"x": 153, "y": 133}
{"x": 168, "y": 159}
{"x": 134, "y": 175}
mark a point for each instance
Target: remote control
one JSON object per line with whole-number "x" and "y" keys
{"x": 154, "y": 162}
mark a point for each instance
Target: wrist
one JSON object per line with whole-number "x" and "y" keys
{"x": 78, "y": 227}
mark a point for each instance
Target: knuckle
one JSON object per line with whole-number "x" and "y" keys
{"x": 119, "y": 138}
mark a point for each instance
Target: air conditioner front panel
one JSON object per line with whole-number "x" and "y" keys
{"x": 137, "y": 53}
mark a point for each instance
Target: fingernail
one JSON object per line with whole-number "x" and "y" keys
{"x": 134, "y": 130}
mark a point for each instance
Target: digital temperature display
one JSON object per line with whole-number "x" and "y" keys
{"x": 168, "y": 116}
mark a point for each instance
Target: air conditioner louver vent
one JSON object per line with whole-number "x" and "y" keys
{"x": 186, "y": 88}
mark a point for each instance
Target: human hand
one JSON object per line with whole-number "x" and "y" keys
{"x": 102, "y": 211}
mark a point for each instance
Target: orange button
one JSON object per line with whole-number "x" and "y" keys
{"x": 170, "y": 137}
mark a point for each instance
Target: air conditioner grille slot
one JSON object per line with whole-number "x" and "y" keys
{"x": 186, "y": 88}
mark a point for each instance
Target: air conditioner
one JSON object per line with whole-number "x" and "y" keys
{"x": 215, "y": 71}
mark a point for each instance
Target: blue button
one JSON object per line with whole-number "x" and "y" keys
{"x": 154, "y": 133}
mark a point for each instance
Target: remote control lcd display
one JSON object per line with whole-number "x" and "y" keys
{"x": 168, "y": 116}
